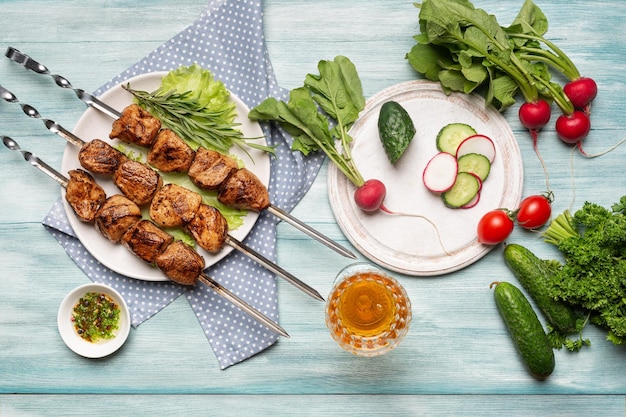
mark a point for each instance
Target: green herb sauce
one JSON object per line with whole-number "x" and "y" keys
{"x": 96, "y": 317}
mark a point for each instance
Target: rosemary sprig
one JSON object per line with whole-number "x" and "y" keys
{"x": 195, "y": 124}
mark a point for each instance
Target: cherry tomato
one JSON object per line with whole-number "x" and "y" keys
{"x": 534, "y": 211}
{"x": 494, "y": 227}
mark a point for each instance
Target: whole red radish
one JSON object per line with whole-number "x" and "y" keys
{"x": 370, "y": 195}
{"x": 534, "y": 115}
{"x": 574, "y": 127}
{"x": 581, "y": 91}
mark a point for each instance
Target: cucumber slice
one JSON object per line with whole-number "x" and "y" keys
{"x": 463, "y": 191}
{"x": 476, "y": 164}
{"x": 451, "y": 135}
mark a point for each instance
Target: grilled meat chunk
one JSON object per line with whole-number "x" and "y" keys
{"x": 98, "y": 157}
{"x": 84, "y": 195}
{"x": 174, "y": 206}
{"x": 180, "y": 263}
{"x": 169, "y": 153}
{"x": 136, "y": 126}
{"x": 208, "y": 228}
{"x": 244, "y": 190}
{"x": 137, "y": 181}
{"x": 146, "y": 240}
{"x": 116, "y": 215}
{"x": 210, "y": 169}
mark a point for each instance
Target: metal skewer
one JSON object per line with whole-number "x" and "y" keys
{"x": 32, "y": 112}
{"x": 303, "y": 227}
{"x": 205, "y": 279}
{"x": 249, "y": 310}
{"x": 26, "y": 61}
{"x": 54, "y": 127}
{"x": 246, "y": 250}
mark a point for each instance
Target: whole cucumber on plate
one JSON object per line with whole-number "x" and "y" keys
{"x": 396, "y": 129}
{"x": 533, "y": 274}
{"x": 525, "y": 329}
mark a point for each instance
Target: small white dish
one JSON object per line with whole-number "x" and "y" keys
{"x": 81, "y": 346}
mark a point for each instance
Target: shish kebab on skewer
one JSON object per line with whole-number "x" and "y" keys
{"x": 29, "y": 63}
{"x": 119, "y": 219}
{"x": 140, "y": 183}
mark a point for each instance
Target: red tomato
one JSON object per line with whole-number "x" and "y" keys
{"x": 494, "y": 227}
{"x": 534, "y": 211}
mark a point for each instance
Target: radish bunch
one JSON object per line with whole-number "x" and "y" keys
{"x": 573, "y": 99}
{"x": 466, "y": 50}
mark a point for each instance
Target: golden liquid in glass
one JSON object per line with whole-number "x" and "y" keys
{"x": 366, "y": 304}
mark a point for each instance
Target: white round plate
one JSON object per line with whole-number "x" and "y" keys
{"x": 81, "y": 346}
{"x": 410, "y": 245}
{"x": 94, "y": 124}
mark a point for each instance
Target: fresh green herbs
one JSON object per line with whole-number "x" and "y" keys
{"x": 198, "y": 108}
{"x": 593, "y": 277}
{"x": 96, "y": 317}
{"x": 337, "y": 91}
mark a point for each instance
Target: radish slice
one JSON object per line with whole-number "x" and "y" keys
{"x": 440, "y": 172}
{"x": 480, "y": 144}
{"x": 480, "y": 181}
{"x": 473, "y": 202}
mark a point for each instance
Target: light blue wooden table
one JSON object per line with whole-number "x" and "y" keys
{"x": 457, "y": 358}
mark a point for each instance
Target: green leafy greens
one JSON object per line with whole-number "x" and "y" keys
{"x": 466, "y": 50}
{"x": 198, "y": 108}
{"x": 337, "y": 91}
{"x": 593, "y": 277}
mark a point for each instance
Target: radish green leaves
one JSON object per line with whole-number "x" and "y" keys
{"x": 337, "y": 91}
{"x": 465, "y": 48}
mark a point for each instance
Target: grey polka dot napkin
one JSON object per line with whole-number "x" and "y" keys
{"x": 228, "y": 40}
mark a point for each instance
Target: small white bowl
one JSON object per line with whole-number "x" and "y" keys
{"x": 81, "y": 346}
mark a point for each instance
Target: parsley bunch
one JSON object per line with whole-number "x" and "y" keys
{"x": 593, "y": 242}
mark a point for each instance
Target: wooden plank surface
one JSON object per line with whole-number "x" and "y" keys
{"x": 457, "y": 358}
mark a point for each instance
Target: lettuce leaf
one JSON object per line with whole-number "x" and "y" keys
{"x": 202, "y": 89}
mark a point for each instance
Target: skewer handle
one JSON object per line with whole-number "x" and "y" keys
{"x": 247, "y": 308}
{"x": 36, "y": 162}
{"x": 26, "y": 61}
{"x": 90, "y": 100}
{"x": 303, "y": 227}
{"x": 271, "y": 266}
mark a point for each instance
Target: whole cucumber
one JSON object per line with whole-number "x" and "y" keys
{"x": 532, "y": 273}
{"x": 525, "y": 330}
{"x": 395, "y": 129}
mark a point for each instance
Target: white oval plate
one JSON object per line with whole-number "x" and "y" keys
{"x": 409, "y": 245}
{"x": 94, "y": 124}
{"x": 81, "y": 346}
